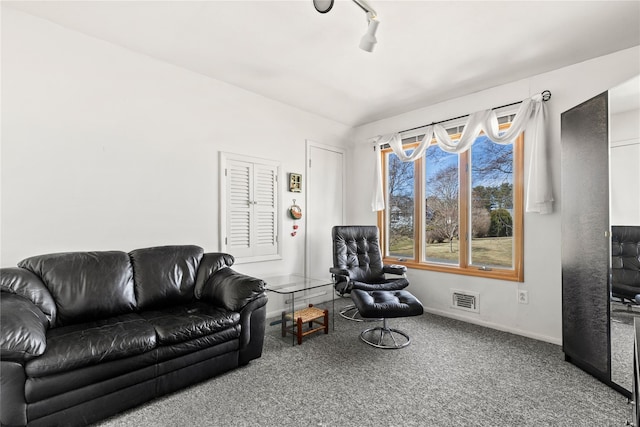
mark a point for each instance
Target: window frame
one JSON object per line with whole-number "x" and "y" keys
{"x": 516, "y": 273}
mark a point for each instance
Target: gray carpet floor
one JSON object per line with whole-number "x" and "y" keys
{"x": 452, "y": 374}
{"x": 622, "y": 334}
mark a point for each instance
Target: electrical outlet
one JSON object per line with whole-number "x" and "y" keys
{"x": 523, "y": 296}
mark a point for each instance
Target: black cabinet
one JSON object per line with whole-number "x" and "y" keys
{"x": 636, "y": 372}
{"x": 585, "y": 237}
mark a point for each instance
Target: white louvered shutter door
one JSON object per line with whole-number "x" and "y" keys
{"x": 239, "y": 207}
{"x": 265, "y": 204}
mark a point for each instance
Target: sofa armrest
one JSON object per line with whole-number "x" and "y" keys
{"x": 209, "y": 264}
{"x": 394, "y": 269}
{"x": 12, "y": 396}
{"x": 24, "y": 283}
{"x": 253, "y": 323}
{"x": 23, "y": 328}
{"x": 246, "y": 295}
{"x": 232, "y": 290}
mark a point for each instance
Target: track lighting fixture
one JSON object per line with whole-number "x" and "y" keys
{"x": 368, "y": 41}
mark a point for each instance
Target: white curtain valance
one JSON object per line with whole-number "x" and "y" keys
{"x": 539, "y": 196}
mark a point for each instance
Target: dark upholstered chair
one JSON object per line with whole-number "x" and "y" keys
{"x": 357, "y": 264}
{"x": 625, "y": 263}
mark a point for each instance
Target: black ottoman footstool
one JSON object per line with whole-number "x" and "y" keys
{"x": 386, "y": 304}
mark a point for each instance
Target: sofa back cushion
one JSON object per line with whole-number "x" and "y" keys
{"x": 86, "y": 285}
{"x": 165, "y": 275}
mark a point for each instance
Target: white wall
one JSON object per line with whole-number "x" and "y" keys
{"x": 104, "y": 148}
{"x": 624, "y": 171}
{"x": 541, "y": 318}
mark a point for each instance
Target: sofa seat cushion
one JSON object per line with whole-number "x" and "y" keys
{"x": 186, "y": 322}
{"x": 85, "y": 344}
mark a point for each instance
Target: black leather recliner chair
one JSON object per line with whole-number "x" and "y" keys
{"x": 357, "y": 264}
{"x": 625, "y": 263}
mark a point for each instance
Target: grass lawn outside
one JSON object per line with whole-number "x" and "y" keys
{"x": 489, "y": 251}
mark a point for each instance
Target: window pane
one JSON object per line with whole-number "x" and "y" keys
{"x": 441, "y": 210}
{"x": 492, "y": 204}
{"x": 400, "y": 187}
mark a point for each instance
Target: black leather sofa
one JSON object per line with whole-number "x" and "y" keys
{"x": 85, "y": 335}
{"x": 625, "y": 263}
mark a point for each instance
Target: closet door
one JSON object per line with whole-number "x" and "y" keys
{"x": 585, "y": 237}
{"x": 325, "y": 206}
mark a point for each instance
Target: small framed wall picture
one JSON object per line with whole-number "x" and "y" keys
{"x": 295, "y": 182}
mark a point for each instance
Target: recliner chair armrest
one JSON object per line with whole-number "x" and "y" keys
{"x": 341, "y": 279}
{"x": 231, "y": 289}
{"x": 394, "y": 269}
{"x": 339, "y": 271}
{"x": 23, "y": 328}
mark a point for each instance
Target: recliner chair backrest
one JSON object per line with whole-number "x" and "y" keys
{"x": 625, "y": 256}
{"x": 357, "y": 248}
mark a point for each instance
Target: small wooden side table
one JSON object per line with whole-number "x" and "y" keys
{"x": 310, "y": 315}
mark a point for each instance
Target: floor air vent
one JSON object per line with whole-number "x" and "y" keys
{"x": 465, "y": 300}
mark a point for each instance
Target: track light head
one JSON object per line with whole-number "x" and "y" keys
{"x": 368, "y": 41}
{"x": 323, "y": 6}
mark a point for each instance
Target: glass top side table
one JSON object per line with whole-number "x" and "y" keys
{"x": 297, "y": 290}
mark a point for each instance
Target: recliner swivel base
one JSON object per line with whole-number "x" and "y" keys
{"x": 351, "y": 312}
{"x": 386, "y": 337}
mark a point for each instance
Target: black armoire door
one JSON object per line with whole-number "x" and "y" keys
{"x": 585, "y": 237}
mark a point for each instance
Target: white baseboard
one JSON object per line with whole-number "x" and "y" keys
{"x": 496, "y": 326}
{"x": 277, "y": 313}
{"x": 273, "y": 314}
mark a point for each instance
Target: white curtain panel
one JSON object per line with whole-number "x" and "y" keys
{"x": 530, "y": 115}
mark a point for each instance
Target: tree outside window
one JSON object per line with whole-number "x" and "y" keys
{"x": 401, "y": 207}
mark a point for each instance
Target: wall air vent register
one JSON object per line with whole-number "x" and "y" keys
{"x": 465, "y": 300}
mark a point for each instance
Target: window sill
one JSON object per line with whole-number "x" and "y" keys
{"x": 510, "y": 275}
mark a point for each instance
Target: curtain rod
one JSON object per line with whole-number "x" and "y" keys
{"x": 546, "y": 95}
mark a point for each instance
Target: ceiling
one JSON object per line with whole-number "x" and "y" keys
{"x": 427, "y": 51}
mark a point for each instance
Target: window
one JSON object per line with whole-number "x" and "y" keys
{"x": 458, "y": 213}
{"x": 249, "y": 207}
